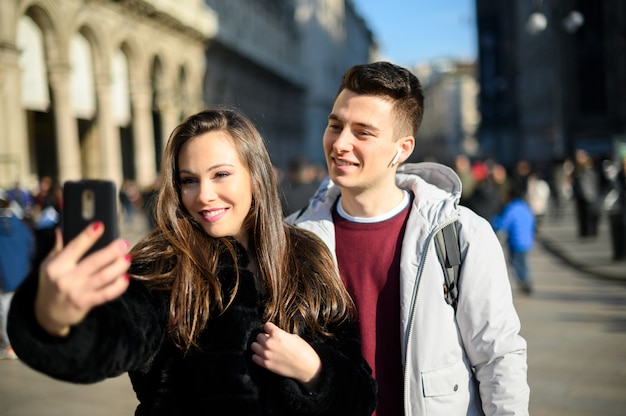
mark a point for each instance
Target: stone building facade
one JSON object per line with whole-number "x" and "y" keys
{"x": 92, "y": 88}
{"x": 451, "y": 116}
{"x": 334, "y": 38}
{"x": 253, "y": 62}
{"x": 281, "y": 61}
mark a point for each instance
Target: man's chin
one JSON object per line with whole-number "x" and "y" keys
{"x": 341, "y": 180}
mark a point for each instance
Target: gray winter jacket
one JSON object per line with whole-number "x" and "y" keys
{"x": 470, "y": 364}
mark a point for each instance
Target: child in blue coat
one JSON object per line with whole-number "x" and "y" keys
{"x": 518, "y": 222}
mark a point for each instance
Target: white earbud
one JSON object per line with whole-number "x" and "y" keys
{"x": 396, "y": 157}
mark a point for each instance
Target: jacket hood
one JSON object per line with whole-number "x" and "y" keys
{"x": 437, "y": 190}
{"x": 435, "y": 174}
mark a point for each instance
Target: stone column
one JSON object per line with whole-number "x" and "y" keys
{"x": 109, "y": 145}
{"x": 14, "y": 154}
{"x": 68, "y": 146}
{"x": 170, "y": 117}
{"x": 143, "y": 135}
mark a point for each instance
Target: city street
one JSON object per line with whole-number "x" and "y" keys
{"x": 574, "y": 322}
{"x": 575, "y": 326}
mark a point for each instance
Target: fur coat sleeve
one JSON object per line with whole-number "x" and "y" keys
{"x": 113, "y": 338}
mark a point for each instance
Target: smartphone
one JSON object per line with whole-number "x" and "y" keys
{"x": 86, "y": 201}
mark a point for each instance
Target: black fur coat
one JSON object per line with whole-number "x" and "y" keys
{"x": 128, "y": 335}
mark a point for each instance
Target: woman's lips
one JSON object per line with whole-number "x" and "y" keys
{"x": 213, "y": 215}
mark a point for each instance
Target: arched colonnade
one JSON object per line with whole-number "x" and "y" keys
{"x": 91, "y": 89}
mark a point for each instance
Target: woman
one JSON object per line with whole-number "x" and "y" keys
{"x": 228, "y": 311}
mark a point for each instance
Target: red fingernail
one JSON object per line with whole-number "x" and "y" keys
{"x": 128, "y": 258}
{"x": 127, "y": 277}
{"x": 96, "y": 225}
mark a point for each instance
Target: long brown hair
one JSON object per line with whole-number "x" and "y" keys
{"x": 302, "y": 288}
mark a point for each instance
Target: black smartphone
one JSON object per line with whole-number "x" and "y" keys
{"x": 86, "y": 201}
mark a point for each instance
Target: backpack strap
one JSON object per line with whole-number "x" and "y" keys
{"x": 449, "y": 253}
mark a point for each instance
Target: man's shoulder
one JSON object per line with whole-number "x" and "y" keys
{"x": 471, "y": 224}
{"x": 319, "y": 206}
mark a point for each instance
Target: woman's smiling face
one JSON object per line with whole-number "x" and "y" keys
{"x": 216, "y": 188}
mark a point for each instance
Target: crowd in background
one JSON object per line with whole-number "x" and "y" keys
{"x": 517, "y": 201}
{"x": 586, "y": 180}
{"x": 299, "y": 182}
{"x": 27, "y": 223}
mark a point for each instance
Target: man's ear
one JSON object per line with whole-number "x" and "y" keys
{"x": 407, "y": 143}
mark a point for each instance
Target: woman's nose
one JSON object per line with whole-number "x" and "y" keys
{"x": 207, "y": 192}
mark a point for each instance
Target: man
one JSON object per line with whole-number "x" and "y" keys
{"x": 379, "y": 221}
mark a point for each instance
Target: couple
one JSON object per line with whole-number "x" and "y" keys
{"x": 225, "y": 309}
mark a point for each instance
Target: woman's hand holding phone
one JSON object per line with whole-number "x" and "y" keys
{"x": 70, "y": 285}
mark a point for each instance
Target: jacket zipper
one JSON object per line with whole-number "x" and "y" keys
{"x": 412, "y": 315}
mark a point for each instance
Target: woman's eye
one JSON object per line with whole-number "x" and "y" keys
{"x": 187, "y": 181}
{"x": 222, "y": 174}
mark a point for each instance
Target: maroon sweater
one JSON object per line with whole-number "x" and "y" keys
{"x": 369, "y": 262}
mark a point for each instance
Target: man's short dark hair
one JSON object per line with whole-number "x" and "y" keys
{"x": 386, "y": 80}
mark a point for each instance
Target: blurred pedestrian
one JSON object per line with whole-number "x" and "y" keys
{"x": 48, "y": 195}
{"x": 501, "y": 181}
{"x": 22, "y": 202}
{"x": 48, "y": 203}
{"x": 48, "y": 211}
{"x": 17, "y": 246}
{"x": 520, "y": 176}
{"x": 586, "y": 189}
{"x": 485, "y": 200}
{"x": 517, "y": 221}
{"x": 620, "y": 183}
{"x": 559, "y": 187}
{"x": 538, "y": 197}
{"x": 463, "y": 168}
{"x": 299, "y": 184}
{"x": 617, "y": 212}
{"x": 149, "y": 197}
{"x": 130, "y": 199}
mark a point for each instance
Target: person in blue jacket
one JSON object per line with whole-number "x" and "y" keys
{"x": 17, "y": 246}
{"x": 518, "y": 222}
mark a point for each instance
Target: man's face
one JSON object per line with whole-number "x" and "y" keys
{"x": 360, "y": 143}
